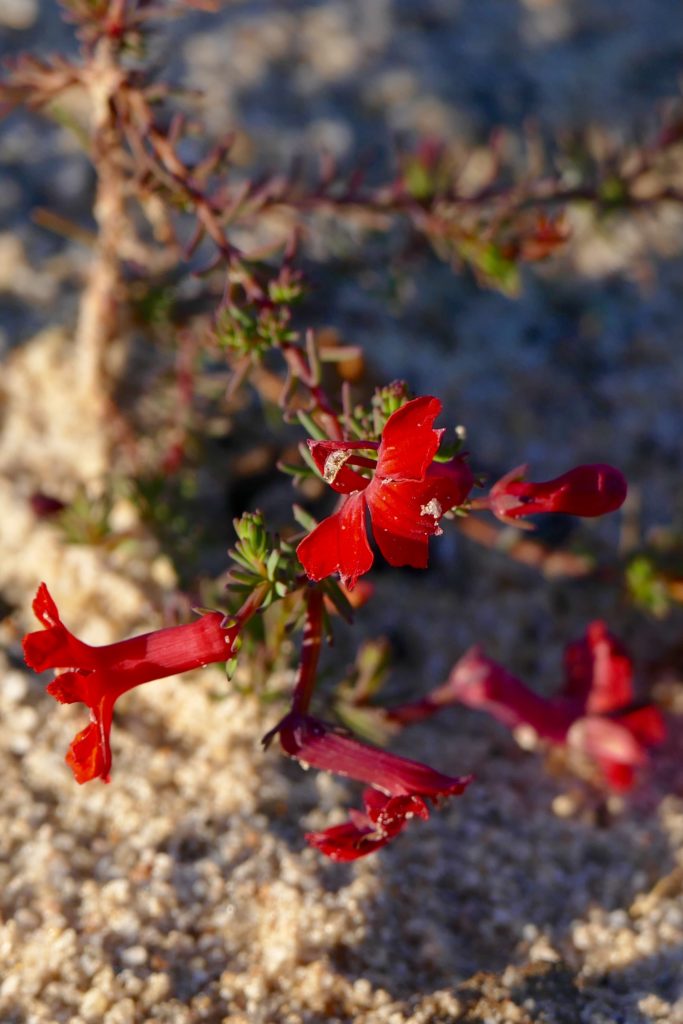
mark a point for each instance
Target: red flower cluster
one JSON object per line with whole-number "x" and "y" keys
{"x": 399, "y": 788}
{"x": 594, "y": 713}
{"x": 583, "y": 491}
{"x": 406, "y": 496}
{"x": 98, "y": 676}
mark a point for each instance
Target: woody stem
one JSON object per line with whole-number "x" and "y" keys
{"x": 98, "y": 314}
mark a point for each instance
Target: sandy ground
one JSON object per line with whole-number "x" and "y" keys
{"x": 183, "y": 892}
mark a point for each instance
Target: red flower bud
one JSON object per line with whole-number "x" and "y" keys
{"x": 582, "y": 491}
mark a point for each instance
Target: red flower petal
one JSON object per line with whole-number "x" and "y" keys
{"x": 405, "y": 513}
{"x": 383, "y": 819}
{"x": 338, "y": 544}
{"x": 330, "y": 458}
{"x": 409, "y": 509}
{"x": 70, "y": 687}
{"x": 461, "y": 478}
{"x": 54, "y": 646}
{"x": 645, "y": 723}
{"x": 598, "y": 671}
{"x": 89, "y": 755}
{"x": 409, "y": 442}
{"x": 400, "y": 551}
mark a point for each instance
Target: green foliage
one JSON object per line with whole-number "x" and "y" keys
{"x": 647, "y": 587}
{"x": 263, "y": 560}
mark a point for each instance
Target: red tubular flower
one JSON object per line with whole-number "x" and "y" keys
{"x": 481, "y": 683}
{"x": 582, "y": 491}
{"x": 406, "y": 496}
{"x": 403, "y": 785}
{"x": 594, "y": 713}
{"x": 97, "y": 676}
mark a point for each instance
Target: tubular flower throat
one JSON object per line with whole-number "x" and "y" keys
{"x": 406, "y": 496}
{"x": 98, "y": 676}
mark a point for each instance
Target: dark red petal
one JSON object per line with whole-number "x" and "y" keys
{"x": 646, "y": 724}
{"x": 598, "y": 671}
{"x": 70, "y": 687}
{"x": 461, "y": 478}
{"x": 409, "y": 442}
{"x": 330, "y": 456}
{"x": 347, "y": 842}
{"x": 384, "y": 818}
{"x": 338, "y": 544}
{"x": 89, "y": 755}
{"x": 400, "y": 551}
{"x": 392, "y": 815}
{"x": 44, "y": 607}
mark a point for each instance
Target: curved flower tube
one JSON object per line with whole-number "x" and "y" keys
{"x": 399, "y": 788}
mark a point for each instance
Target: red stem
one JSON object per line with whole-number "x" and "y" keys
{"x": 310, "y": 652}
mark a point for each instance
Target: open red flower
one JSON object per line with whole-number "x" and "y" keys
{"x": 399, "y": 787}
{"x": 98, "y": 676}
{"x": 383, "y": 818}
{"x": 406, "y": 496}
{"x": 593, "y": 714}
{"x": 583, "y": 491}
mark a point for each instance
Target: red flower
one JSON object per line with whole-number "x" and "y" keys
{"x": 382, "y": 820}
{"x": 594, "y": 713}
{"x": 582, "y": 491}
{"x": 403, "y": 785}
{"x": 406, "y": 496}
{"x": 97, "y": 676}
